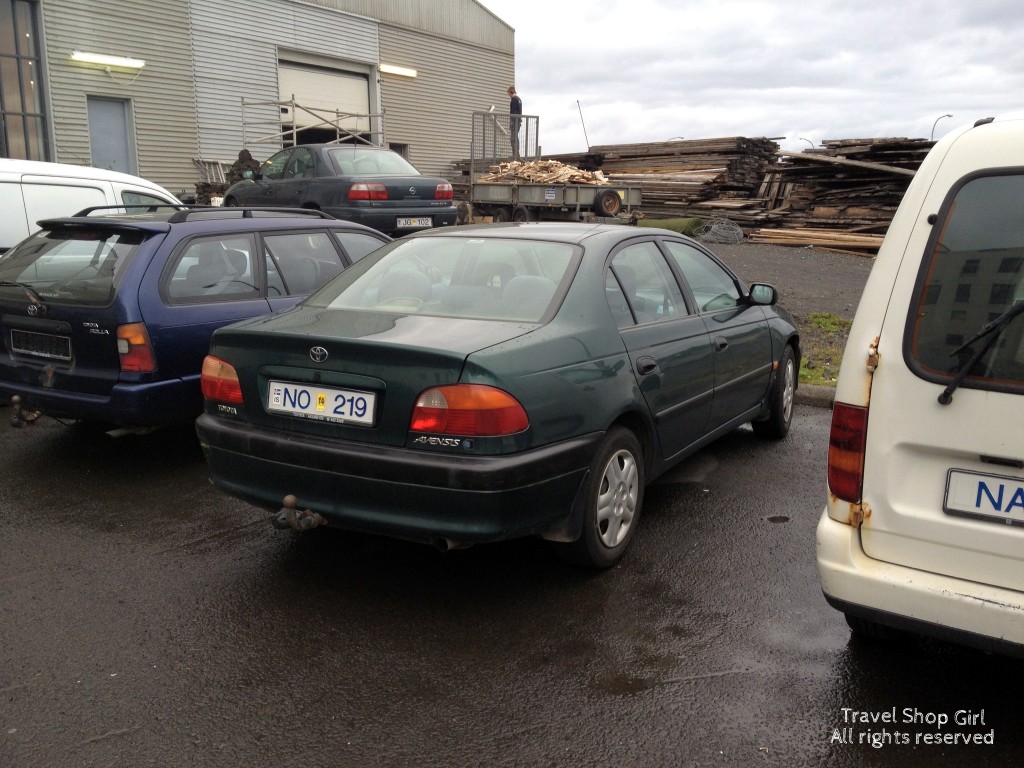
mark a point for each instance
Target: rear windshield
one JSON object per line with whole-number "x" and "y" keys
{"x": 354, "y": 161}
{"x": 486, "y": 278}
{"x": 971, "y": 282}
{"x": 73, "y": 266}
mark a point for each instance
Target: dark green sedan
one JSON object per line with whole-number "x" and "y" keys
{"x": 486, "y": 383}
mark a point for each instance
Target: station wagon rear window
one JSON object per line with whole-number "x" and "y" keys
{"x": 969, "y": 308}
{"x": 73, "y": 266}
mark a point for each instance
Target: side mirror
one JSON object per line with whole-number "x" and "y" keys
{"x": 763, "y": 294}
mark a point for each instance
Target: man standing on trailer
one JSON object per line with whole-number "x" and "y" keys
{"x": 515, "y": 110}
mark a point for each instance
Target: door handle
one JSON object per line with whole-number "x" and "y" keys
{"x": 646, "y": 365}
{"x": 721, "y": 343}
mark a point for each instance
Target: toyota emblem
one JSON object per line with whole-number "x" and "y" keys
{"x": 317, "y": 354}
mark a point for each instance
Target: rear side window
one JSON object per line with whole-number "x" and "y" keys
{"x": 358, "y": 244}
{"x": 73, "y": 266}
{"x": 214, "y": 269}
{"x": 299, "y": 263}
{"x": 971, "y": 280}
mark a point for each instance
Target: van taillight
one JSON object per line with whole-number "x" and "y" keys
{"x": 444, "y": 191}
{"x": 135, "y": 349}
{"x": 468, "y": 410}
{"x": 846, "y": 443}
{"x": 220, "y": 381}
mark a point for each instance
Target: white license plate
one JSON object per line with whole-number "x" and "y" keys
{"x": 988, "y": 497}
{"x": 422, "y": 221}
{"x": 321, "y": 403}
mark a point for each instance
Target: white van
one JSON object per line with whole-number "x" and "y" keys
{"x": 923, "y": 529}
{"x": 31, "y": 190}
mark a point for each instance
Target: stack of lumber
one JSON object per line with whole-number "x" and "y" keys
{"x": 541, "y": 172}
{"x": 842, "y": 196}
{"x": 698, "y": 177}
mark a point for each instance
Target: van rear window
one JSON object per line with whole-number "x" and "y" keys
{"x": 72, "y": 266}
{"x": 970, "y": 283}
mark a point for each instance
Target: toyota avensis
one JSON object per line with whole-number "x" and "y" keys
{"x": 485, "y": 383}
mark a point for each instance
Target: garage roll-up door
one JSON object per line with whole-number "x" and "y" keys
{"x": 324, "y": 90}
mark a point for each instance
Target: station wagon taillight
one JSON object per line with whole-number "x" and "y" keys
{"x": 364, "y": 191}
{"x": 468, "y": 410}
{"x": 220, "y": 381}
{"x": 134, "y": 349}
{"x": 444, "y": 191}
{"x": 846, "y": 445}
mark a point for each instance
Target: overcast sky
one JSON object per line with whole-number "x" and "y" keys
{"x": 616, "y": 71}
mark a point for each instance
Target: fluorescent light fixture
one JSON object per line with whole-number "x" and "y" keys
{"x": 107, "y": 61}
{"x": 390, "y": 69}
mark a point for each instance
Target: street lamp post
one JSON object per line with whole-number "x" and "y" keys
{"x": 936, "y": 123}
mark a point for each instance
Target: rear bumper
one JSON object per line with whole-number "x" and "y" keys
{"x": 409, "y": 494}
{"x": 386, "y": 221}
{"x": 925, "y": 603}
{"x": 152, "y": 404}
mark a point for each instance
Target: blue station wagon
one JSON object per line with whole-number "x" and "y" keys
{"x": 107, "y": 318}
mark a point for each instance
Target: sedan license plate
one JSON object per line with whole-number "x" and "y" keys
{"x": 422, "y": 221}
{"x": 321, "y": 403}
{"x": 983, "y": 496}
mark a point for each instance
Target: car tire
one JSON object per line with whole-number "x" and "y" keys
{"x": 607, "y": 203}
{"x": 521, "y": 214}
{"x": 614, "y": 496}
{"x": 780, "y": 400}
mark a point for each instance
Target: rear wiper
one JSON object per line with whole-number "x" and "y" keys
{"x": 33, "y": 296}
{"x": 992, "y": 330}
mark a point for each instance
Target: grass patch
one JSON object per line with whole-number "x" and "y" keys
{"x": 823, "y": 339}
{"x": 684, "y": 226}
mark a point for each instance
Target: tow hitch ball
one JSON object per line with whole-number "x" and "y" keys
{"x": 19, "y": 417}
{"x": 297, "y": 520}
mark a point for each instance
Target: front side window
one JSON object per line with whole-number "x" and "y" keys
{"x": 73, "y": 266}
{"x": 973, "y": 276}
{"x": 713, "y": 288}
{"x": 274, "y": 166}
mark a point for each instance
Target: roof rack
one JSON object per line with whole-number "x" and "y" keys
{"x": 141, "y": 208}
{"x": 246, "y": 212}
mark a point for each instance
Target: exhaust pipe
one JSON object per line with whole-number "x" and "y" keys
{"x": 297, "y": 520}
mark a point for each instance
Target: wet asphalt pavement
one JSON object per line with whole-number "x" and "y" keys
{"x": 147, "y": 620}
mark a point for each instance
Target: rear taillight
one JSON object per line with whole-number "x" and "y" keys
{"x": 135, "y": 349}
{"x": 846, "y": 444}
{"x": 468, "y": 410}
{"x": 363, "y": 191}
{"x": 220, "y": 381}
{"x": 444, "y": 191}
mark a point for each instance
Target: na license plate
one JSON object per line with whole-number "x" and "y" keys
{"x": 344, "y": 406}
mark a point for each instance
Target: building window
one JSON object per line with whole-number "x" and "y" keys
{"x": 23, "y": 124}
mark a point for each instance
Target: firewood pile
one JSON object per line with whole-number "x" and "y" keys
{"x": 541, "y": 172}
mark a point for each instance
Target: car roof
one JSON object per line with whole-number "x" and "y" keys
{"x": 562, "y": 231}
{"x": 164, "y": 218}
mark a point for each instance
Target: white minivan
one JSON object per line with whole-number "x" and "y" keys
{"x": 923, "y": 528}
{"x": 32, "y": 190}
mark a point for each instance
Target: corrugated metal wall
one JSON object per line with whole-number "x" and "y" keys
{"x": 203, "y": 56}
{"x": 236, "y": 49}
{"x": 464, "y": 20}
{"x": 161, "y": 95}
{"x": 432, "y": 112}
